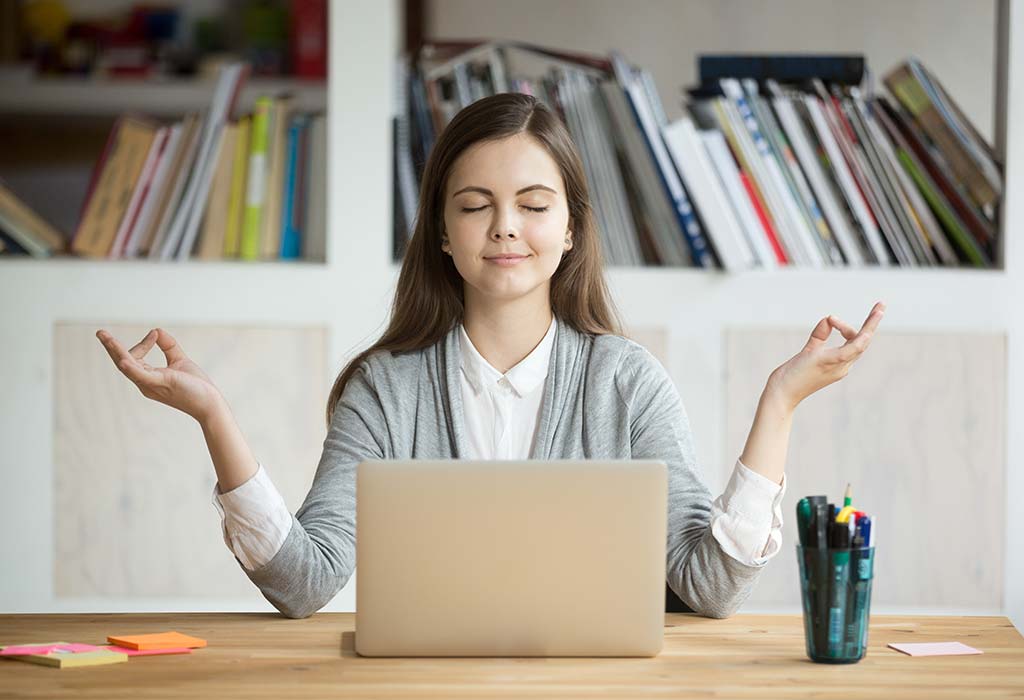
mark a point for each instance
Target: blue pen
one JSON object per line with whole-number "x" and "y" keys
{"x": 864, "y": 530}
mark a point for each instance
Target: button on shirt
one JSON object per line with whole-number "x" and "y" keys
{"x": 501, "y": 417}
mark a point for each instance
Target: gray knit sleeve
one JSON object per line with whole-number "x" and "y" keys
{"x": 700, "y": 572}
{"x": 318, "y": 555}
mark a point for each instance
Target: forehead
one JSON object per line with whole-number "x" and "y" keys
{"x": 505, "y": 165}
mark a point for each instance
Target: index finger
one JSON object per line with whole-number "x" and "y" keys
{"x": 125, "y": 361}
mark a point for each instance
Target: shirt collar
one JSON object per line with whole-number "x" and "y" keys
{"x": 526, "y": 376}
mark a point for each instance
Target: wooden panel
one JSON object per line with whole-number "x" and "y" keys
{"x": 918, "y": 427}
{"x": 133, "y": 479}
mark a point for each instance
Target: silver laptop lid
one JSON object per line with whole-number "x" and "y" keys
{"x": 510, "y": 558}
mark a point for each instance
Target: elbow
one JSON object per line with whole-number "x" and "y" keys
{"x": 719, "y": 611}
{"x": 296, "y": 612}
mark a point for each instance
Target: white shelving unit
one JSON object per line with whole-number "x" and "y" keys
{"x": 102, "y": 97}
{"x": 350, "y": 295}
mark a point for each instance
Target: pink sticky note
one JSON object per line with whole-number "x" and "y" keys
{"x": 935, "y": 649}
{"x": 46, "y": 648}
{"x": 13, "y": 650}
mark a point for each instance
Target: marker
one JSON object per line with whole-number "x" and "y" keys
{"x": 840, "y": 559}
{"x": 803, "y": 520}
{"x": 844, "y": 514}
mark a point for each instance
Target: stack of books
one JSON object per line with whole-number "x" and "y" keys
{"x": 211, "y": 186}
{"x": 785, "y": 160}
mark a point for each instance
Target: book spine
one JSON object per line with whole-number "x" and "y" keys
{"x": 289, "y": 233}
{"x": 256, "y": 185}
{"x": 236, "y": 207}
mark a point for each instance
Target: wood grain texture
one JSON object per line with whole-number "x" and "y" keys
{"x": 262, "y": 655}
{"x": 133, "y": 479}
{"x": 918, "y": 427}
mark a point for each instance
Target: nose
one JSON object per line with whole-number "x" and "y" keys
{"x": 504, "y": 225}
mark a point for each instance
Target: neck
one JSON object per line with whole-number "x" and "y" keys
{"x": 506, "y": 332}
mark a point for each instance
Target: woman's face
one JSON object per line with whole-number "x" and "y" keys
{"x": 506, "y": 197}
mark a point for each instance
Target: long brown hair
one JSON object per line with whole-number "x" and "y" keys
{"x": 428, "y": 299}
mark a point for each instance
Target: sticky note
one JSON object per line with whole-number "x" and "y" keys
{"x": 935, "y": 649}
{"x": 64, "y": 655}
{"x": 12, "y": 650}
{"x": 160, "y": 640}
{"x": 147, "y": 652}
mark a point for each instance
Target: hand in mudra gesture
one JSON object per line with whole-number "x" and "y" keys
{"x": 816, "y": 365}
{"x": 181, "y": 384}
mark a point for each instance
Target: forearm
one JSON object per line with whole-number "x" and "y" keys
{"x": 765, "y": 450}
{"x": 232, "y": 459}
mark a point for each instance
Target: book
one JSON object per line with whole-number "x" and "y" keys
{"x": 729, "y": 175}
{"x": 277, "y": 136}
{"x": 687, "y": 151}
{"x": 807, "y": 205}
{"x": 215, "y": 220}
{"x": 159, "y": 184}
{"x": 644, "y": 112}
{"x": 315, "y": 217}
{"x": 291, "y": 220}
{"x": 805, "y": 149}
{"x": 180, "y": 171}
{"x": 114, "y": 180}
{"x": 139, "y": 194}
{"x": 236, "y": 203}
{"x": 26, "y": 230}
{"x": 184, "y": 229}
{"x": 908, "y": 83}
{"x": 784, "y": 68}
{"x": 256, "y": 179}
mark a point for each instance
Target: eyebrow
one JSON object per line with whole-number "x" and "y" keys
{"x": 484, "y": 190}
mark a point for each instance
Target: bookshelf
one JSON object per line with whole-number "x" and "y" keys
{"x": 170, "y": 98}
{"x": 698, "y": 308}
{"x": 350, "y": 295}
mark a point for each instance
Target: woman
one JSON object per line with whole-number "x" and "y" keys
{"x": 488, "y": 356}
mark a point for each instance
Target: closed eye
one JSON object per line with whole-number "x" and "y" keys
{"x": 534, "y": 209}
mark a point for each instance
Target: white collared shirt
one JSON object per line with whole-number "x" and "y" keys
{"x": 501, "y": 413}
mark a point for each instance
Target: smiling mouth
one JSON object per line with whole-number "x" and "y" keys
{"x": 507, "y": 261}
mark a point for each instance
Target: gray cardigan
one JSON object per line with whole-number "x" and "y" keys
{"x": 605, "y": 397}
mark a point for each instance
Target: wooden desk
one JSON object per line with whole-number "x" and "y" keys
{"x": 263, "y": 655}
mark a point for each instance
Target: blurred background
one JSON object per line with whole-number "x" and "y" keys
{"x": 132, "y": 135}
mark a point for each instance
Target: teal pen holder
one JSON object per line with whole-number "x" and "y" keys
{"x": 835, "y": 589}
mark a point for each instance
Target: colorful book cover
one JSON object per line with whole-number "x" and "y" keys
{"x": 256, "y": 180}
{"x": 236, "y": 206}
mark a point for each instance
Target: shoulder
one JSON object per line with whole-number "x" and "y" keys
{"x": 384, "y": 368}
{"x": 637, "y": 372}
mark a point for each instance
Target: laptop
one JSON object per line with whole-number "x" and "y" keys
{"x": 510, "y": 557}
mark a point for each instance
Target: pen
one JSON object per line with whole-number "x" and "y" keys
{"x": 840, "y": 556}
{"x": 803, "y": 520}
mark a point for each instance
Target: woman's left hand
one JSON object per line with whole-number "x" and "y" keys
{"x": 816, "y": 366}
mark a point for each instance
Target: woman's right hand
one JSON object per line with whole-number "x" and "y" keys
{"x": 181, "y": 384}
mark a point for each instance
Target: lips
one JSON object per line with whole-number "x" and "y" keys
{"x": 506, "y": 257}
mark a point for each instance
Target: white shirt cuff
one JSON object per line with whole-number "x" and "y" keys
{"x": 746, "y": 519}
{"x": 254, "y": 519}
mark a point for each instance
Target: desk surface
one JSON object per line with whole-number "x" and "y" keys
{"x": 253, "y": 655}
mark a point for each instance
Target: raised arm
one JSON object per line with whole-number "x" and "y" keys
{"x": 319, "y": 554}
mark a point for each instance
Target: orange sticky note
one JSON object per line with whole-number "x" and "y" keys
{"x": 147, "y": 652}
{"x": 160, "y": 640}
